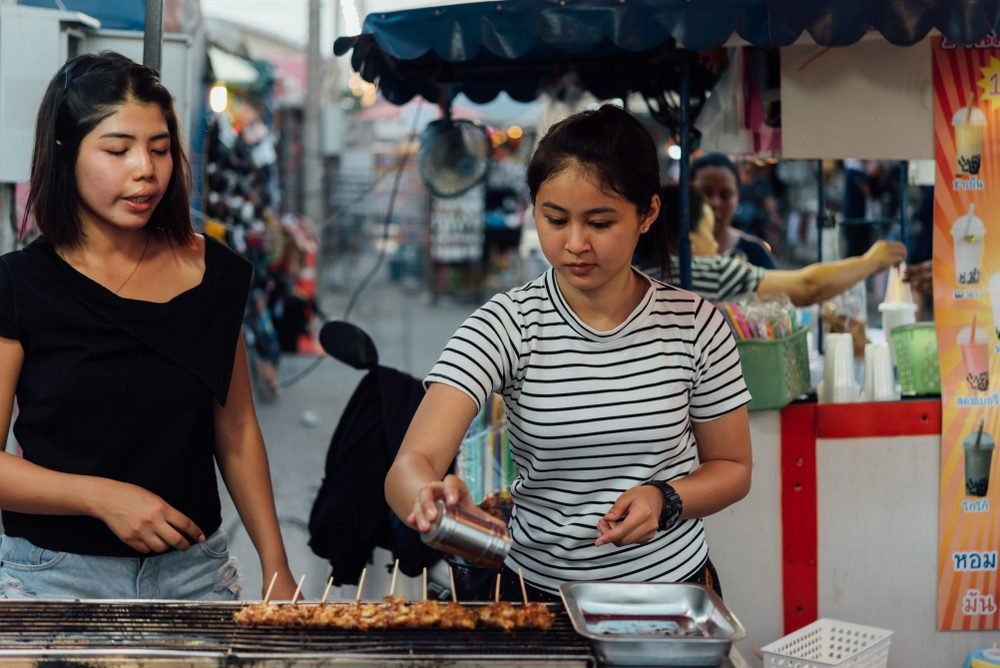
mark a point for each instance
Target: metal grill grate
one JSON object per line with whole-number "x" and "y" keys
{"x": 109, "y": 629}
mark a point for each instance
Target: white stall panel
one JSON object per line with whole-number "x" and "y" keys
{"x": 744, "y": 540}
{"x": 878, "y": 532}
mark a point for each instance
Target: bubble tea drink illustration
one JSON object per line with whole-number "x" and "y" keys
{"x": 969, "y": 123}
{"x": 967, "y": 233}
{"x": 974, "y": 343}
{"x": 978, "y": 448}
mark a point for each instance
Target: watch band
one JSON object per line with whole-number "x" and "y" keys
{"x": 672, "y": 504}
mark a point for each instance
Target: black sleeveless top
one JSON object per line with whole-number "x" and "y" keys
{"x": 120, "y": 388}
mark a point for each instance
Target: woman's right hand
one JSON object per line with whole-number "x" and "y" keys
{"x": 142, "y": 520}
{"x": 455, "y": 494}
{"x": 886, "y": 254}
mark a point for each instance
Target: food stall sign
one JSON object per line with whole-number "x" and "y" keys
{"x": 967, "y": 316}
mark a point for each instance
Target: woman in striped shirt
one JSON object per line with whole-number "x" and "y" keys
{"x": 625, "y": 400}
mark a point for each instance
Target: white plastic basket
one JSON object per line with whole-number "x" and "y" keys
{"x": 829, "y": 643}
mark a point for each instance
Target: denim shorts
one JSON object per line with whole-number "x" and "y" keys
{"x": 204, "y": 571}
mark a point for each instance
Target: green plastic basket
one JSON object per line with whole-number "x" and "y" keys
{"x": 917, "y": 359}
{"x": 776, "y": 370}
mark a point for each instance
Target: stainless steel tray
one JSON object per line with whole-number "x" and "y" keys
{"x": 652, "y": 623}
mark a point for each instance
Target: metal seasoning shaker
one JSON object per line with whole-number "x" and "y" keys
{"x": 467, "y": 536}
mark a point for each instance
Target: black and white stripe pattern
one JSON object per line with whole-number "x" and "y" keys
{"x": 717, "y": 278}
{"x": 593, "y": 414}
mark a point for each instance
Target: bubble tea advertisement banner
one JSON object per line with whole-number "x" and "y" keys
{"x": 967, "y": 318}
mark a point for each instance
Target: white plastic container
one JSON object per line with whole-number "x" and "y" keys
{"x": 829, "y": 643}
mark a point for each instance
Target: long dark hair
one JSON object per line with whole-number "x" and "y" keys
{"x": 611, "y": 143}
{"x": 84, "y": 92}
{"x": 663, "y": 237}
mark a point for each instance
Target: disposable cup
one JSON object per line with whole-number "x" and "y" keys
{"x": 839, "y": 385}
{"x": 975, "y": 349}
{"x": 880, "y": 383}
{"x": 967, "y": 234}
{"x": 969, "y": 126}
{"x": 978, "y": 461}
{"x": 894, "y": 315}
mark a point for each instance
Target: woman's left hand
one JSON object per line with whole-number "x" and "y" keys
{"x": 633, "y": 518}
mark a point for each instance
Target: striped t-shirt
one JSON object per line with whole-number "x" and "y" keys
{"x": 594, "y": 413}
{"x": 717, "y": 278}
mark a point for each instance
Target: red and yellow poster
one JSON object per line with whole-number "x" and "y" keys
{"x": 967, "y": 316}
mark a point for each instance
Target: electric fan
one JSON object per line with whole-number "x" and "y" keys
{"x": 454, "y": 156}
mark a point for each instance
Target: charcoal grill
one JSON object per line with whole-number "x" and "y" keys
{"x": 44, "y": 634}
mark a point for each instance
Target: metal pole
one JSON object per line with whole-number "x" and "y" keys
{"x": 904, "y": 186}
{"x": 684, "y": 242}
{"x": 152, "y": 36}
{"x": 820, "y": 222}
{"x": 312, "y": 163}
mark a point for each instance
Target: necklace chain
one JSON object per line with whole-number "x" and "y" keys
{"x": 136, "y": 268}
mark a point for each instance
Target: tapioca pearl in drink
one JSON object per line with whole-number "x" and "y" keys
{"x": 967, "y": 233}
{"x": 975, "y": 350}
{"x": 979, "y": 382}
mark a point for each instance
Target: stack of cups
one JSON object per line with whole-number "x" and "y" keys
{"x": 880, "y": 384}
{"x": 898, "y": 307}
{"x": 839, "y": 385}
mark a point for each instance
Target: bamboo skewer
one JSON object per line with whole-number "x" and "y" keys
{"x": 361, "y": 584}
{"x": 326, "y": 592}
{"x": 496, "y": 598}
{"x": 425, "y": 583}
{"x": 451, "y": 579}
{"x": 267, "y": 595}
{"x": 524, "y": 590}
{"x": 298, "y": 589}
{"x": 392, "y": 584}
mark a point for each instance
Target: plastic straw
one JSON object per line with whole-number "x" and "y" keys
{"x": 968, "y": 110}
{"x": 968, "y": 218}
{"x": 979, "y": 434}
{"x": 972, "y": 332}
{"x": 267, "y": 595}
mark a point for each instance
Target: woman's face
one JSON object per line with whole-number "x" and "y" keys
{"x": 123, "y": 167}
{"x": 586, "y": 234}
{"x": 702, "y": 237}
{"x": 718, "y": 185}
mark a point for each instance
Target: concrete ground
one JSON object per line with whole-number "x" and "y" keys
{"x": 297, "y": 425}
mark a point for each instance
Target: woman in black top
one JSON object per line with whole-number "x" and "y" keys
{"x": 120, "y": 337}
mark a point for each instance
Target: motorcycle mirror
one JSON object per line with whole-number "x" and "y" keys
{"x": 349, "y": 344}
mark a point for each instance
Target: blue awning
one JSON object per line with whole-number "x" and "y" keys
{"x": 617, "y": 46}
{"x": 113, "y": 14}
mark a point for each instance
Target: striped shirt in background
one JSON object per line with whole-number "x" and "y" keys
{"x": 717, "y": 278}
{"x": 592, "y": 414}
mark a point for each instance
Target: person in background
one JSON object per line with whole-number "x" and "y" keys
{"x": 625, "y": 400}
{"x": 718, "y": 180}
{"x": 920, "y": 257}
{"x": 724, "y": 277}
{"x": 120, "y": 335}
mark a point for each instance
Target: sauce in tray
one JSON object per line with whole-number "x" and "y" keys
{"x": 660, "y": 626}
